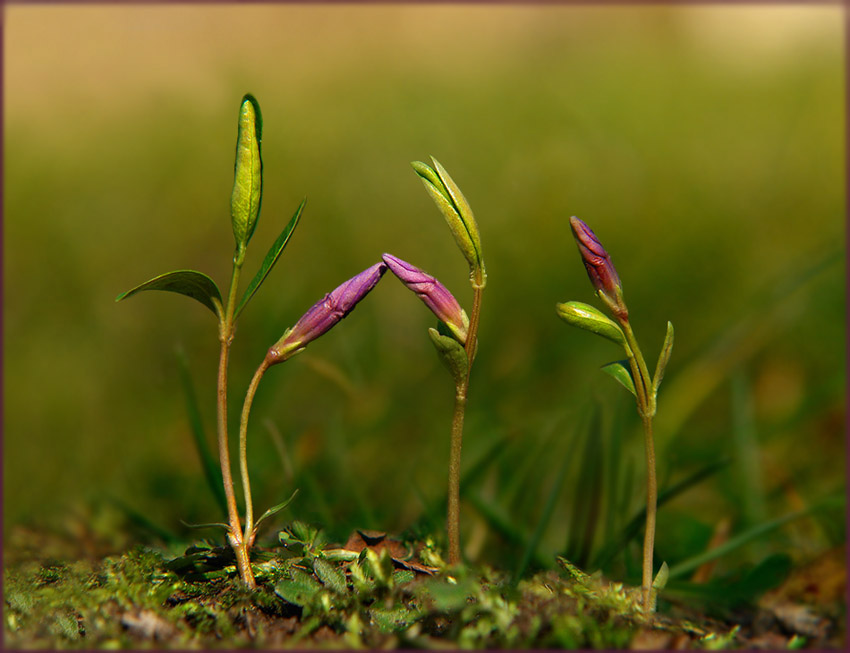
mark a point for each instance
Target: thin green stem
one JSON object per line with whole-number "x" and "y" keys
{"x": 248, "y": 536}
{"x": 461, "y": 390}
{"x": 226, "y": 330}
{"x": 651, "y": 508}
{"x": 646, "y": 410}
{"x": 453, "y": 520}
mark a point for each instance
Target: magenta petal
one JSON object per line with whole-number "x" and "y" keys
{"x": 434, "y": 294}
{"x": 596, "y": 260}
{"x": 329, "y": 310}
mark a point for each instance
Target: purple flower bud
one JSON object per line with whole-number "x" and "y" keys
{"x": 326, "y": 313}
{"x": 599, "y": 268}
{"x": 435, "y": 295}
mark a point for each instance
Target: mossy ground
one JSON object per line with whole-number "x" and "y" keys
{"x": 370, "y": 600}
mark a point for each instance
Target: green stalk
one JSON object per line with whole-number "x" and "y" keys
{"x": 234, "y": 536}
{"x": 248, "y": 537}
{"x": 646, "y": 410}
{"x": 461, "y": 390}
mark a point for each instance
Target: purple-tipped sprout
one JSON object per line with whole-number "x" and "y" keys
{"x": 599, "y": 268}
{"x": 325, "y": 314}
{"x": 435, "y": 295}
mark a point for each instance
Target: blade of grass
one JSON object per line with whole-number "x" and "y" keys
{"x": 531, "y": 547}
{"x": 746, "y": 451}
{"x": 585, "y": 505}
{"x": 752, "y": 534}
{"x": 212, "y": 470}
{"x": 632, "y": 529}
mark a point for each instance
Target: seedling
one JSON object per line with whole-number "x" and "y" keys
{"x": 245, "y": 202}
{"x": 632, "y": 373}
{"x": 456, "y": 335}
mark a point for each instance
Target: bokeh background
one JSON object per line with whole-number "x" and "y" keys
{"x": 704, "y": 145}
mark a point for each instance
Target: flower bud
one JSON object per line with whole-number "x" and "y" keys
{"x": 248, "y": 172}
{"x": 435, "y": 295}
{"x": 325, "y": 314}
{"x": 458, "y": 214}
{"x": 599, "y": 268}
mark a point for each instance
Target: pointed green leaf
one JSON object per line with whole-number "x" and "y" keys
{"x": 622, "y": 373}
{"x": 663, "y": 357}
{"x": 212, "y": 470}
{"x": 457, "y": 212}
{"x": 461, "y": 206}
{"x": 247, "y": 192}
{"x": 452, "y": 354}
{"x": 299, "y": 590}
{"x": 426, "y": 172}
{"x": 185, "y": 282}
{"x": 330, "y": 575}
{"x": 661, "y": 578}
{"x": 584, "y": 316}
{"x": 274, "y": 510}
{"x": 271, "y": 257}
{"x": 212, "y": 525}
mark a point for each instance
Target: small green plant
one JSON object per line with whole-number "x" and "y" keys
{"x": 245, "y": 202}
{"x": 632, "y": 372}
{"x": 456, "y": 335}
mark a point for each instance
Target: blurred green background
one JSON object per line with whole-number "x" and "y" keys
{"x": 704, "y": 145}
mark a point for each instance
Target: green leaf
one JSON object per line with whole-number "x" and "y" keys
{"x": 620, "y": 371}
{"x": 687, "y": 566}
{"x": 273, "y": 511}
{"x": 633, "y": 528}
{"x": 663, "y": 357}
{"x": 584, "y": 316}
{"x": 452, "y": 354}
{"x": 211, "y": 525}
{"x": 661, "y": 577}
{"x": 247, "y": 192}
{"x": 461, "y": 206}
{"x": 299, "y": 590}
{"x": 185, "y": 282}
{"x": 330, "y": 576}
{"x": 271, "y": 258}
{"x": 456, "y": 211}
{"x": 211, "y": 467}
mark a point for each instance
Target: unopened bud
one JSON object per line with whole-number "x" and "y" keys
{"x": 326, "y": 313}
{"x": 434, "y": 294}
{"x": 599, "y": 268}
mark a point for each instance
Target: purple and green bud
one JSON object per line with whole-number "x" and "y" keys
{"x": 599, "y": 268}
{"x": 434, "y": 294}
{"x": 247, "y": 192}
{"x": 325, "y": 314}
{"x": 458, "y": 214}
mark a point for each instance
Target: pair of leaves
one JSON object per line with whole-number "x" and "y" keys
{"x": 202, "y": 288}
{"x": 621, "y": 370}
{"x": 457, "y": 212}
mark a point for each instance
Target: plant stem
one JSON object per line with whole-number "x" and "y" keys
{"x": 651, "y": 506}
{"x": 646, "y": 409}
{"x": 248, "y": 536}
{"x": 461, "y": 390}
{"x": 453, "y": 520}
{"x": 234, "y": 536}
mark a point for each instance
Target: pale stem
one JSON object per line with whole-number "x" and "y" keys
{"x": 646, "y": 410}
{"x": 248, "y": 537}
{"x": 239, "y": 546}
{"x": 453, "y": 517}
